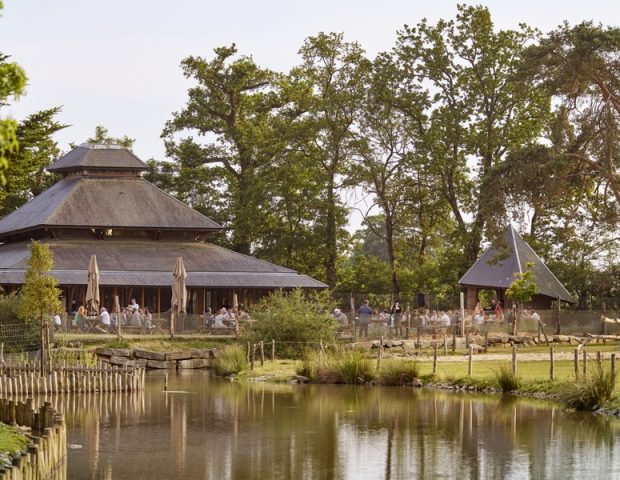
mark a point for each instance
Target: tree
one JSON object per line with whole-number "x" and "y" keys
{"x": 335, "y": 71}
{"x": 12, "y": 85}
{"x": 40, "y": 295}
{"x": 103, "y": 137}
{"x": 26, "y": 176}
{"x": 521, "y": 290}
{"x": 233, "y": 106}
{"x": 480, "y": 110}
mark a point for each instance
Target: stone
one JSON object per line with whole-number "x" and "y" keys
{"x": 114, "y": 352}
{"x": 561, "y": 338}
{"x": 178, "y": 355}
{"x": 167, "y": 364}
{"x": 476, "y": 347}
{"x": 116, "y": 360}
{"x": 161, "y": 356}
{"x": 202, "y": 354}
{"x": 301, "y": 379}
{"x": 193, "y": 363}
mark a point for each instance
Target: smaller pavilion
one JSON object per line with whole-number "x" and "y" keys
{"x": 494, "y": 271}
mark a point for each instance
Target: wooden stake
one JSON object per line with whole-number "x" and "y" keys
{"x": 445, "y": 345}
{"x": 599, "y": 361}
{"x": 613, "y": 370}
{"x": 273, "y": 350}
{"x": 576, "y": 363}
{"x": 262, "y": 353}
{"x": 585, "y": 364}
{"x": 470, "y": 361}
{"x": 514, "y": 360}
{"x": 434, "y": 358}
{"x": 551, "y": 365}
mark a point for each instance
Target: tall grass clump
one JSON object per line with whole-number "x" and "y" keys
{"x": 308, "y": 365}
{"x": 506, "y": 381}
{"x": 231, "y": 360}
{"x": 589, "y": 393}
{"x": 349, "y": 367}
{"x": 398, "y": 372}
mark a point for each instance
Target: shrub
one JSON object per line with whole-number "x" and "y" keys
{"x": 506, "y": 381}
{"x": 398, "y": 372}
{"x": 589, "y": 393}
{"x": 294, "y": 320}
{"x": 9, "y": 308}
{"x": 231, "y": 360}
{"x": 350, "y": 367}
{"x": 308, "y": 365}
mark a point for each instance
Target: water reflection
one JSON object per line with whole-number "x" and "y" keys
{"x": 227, "y": 430}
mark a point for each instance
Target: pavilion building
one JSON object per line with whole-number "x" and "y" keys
{"x": 495, "y": 270}
{"x": 103, "y": 206}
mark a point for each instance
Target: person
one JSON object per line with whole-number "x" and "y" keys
{"x": 57, "y": 322}
{"x": 444, "y": 319}
{"x": 208, "y": 318}
{"x": 148, "y": 320}
{"x": 80, "y": 318}
{"x": 365, "y": 315}
{"x": 499, "y": 312}
{"x": 243, "y": 315}
{"x": 395, "y": 312}
{"x": 534, "y": 316}
{"x": 479, "y": 318}
{"x": 104, "y": 319}
{"x": 218, "y": 321}
{"x": 134, "y": 306}
{"x": 425, "y": 317}
{"x": 134, "y": 316}
{"x": 340, "y": 317}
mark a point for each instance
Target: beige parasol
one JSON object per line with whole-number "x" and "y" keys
{"x": 179, "y": 292}
{"x": 92, "y": 290}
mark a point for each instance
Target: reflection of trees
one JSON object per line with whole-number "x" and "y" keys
{"x": 231, "y": 430}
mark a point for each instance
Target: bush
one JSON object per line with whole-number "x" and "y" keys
{"x": 506, "y": 381}
{"x": 350, "y": 367}
{"x": 589, "y": 393}
{"x": 231, "y": 360}
{"x": 293, "y": 320}
{"x": 398, "y": 372}
{"x": 9, "y": 307}
{"x": 308, "y": 365}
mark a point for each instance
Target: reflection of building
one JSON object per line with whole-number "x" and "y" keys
{"x": 495, "y": 270}
{"x": 102, "y": 206}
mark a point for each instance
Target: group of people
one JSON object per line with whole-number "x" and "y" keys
{"x": 131, "y": 315}
{"x": 392, "y": 318}
{"x": 224, "y": 318}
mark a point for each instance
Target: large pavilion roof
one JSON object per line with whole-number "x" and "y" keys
{"x": 493, "y": 271}
{"x": 104, "y": 202}
{"x": 150, "y": 263}
{"x": 97, "y": 156}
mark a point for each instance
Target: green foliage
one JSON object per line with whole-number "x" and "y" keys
{"x": 230, "y": 361}
{"x": 11, "y": 439}
{"x": 9, "y": 309}
{"x": 523, "y": 288}
{"x": 294, "y": 320}
{"x": 40, "y": 293}
{"x": 102, "y": 136}
{"x": 118, "y": 344}
{"x": 590, "y": 393}
{"x": 348, "y": 367}
{"x": 505, "y": 380}
{"x": 395, "y": 372}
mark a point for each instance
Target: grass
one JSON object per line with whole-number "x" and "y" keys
{"x": 11, "y": 440}
{"x": 231, "y": 360}
{"x": 507, "y": 381}
{"x": 395, "y": 372}
{"x": 590, "y": 393}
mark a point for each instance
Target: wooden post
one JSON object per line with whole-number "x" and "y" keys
{"x": 542, "y": 329}
{"x": 165, "y": 382}
{"x": 552, "y": 364}
{"x": 434, "y": 358}
{"x": 453, "y": 341}
{"x": 470, "y": 359}
{"x": 599, "y": 361}
{"x": 576, "y": 363}
{"x": 273, "y": 350}
{"x": 514, "y": 360}
{"x": 613, "y": 371}
{"x": 538, "y": 333}
{"x": 249, "y": 352}
{"x": 445, "y": 345}
{"x": 585, "y": 364}
{"x": 486, "y": 342}
{"x": 236, "y": 312}
{"x": 558, "y": 329}
{"x": 380, "y": 354}
{"x": 462, "y": 298}
{"x": 262, "y": 353}
{"x": 253, "y": 357}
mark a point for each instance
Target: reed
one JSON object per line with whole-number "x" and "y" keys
{"x": 589, "y": 393}
{"x": 506, "y": 380}
{"x": 231, "y": 360}
{"x": 398, "y": 372}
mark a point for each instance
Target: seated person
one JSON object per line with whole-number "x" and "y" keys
{"x": 340, "y": 317}
{"x": 208, "y": 318}
{"x": 133, "y": 305}
{"x": 243, "y": 315}
{"x": 134, "y": 318}
{"x": 104, "y": 321}
{"x": 147, "y": 317}
{"x": 220, "y": 318}
{"x": 444, "y": 319}
{"x": 80, "y": 316}
{"x": 479, "y": 318}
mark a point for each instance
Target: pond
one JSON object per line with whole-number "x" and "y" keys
{"x": 206, "y": 427}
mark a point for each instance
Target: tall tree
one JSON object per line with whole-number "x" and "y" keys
{"x": 102, "y": 136}
{"x": 232, "y": 106}
{"x": 480, "y": 110}
{"x": 26, "y": 176}
{"x": 12, "y": 85}
{"x": 335, "y": 70}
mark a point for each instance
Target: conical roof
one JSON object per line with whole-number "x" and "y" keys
{"x": 493, "y": 271}
{"x": 94, "y": 156}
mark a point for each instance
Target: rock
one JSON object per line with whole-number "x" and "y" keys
{"x": 561, "y": 338}
{"x": 140, "y": 362}
{"x": 202, "y": 354}
{"x": 476, "y": 347}
{"x": 161, "y": 356}
{"x": 161, "y": 364}
{"x": 193, "y": 363}
{"x": 114, "y": 352}
{"x": 115, "y": 360}
{"x": 178, "y": 355}
{"x": 375, "y": 344}
{"x": 301, "y": 379}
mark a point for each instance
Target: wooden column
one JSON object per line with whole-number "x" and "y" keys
{"x": 472, "y": 298}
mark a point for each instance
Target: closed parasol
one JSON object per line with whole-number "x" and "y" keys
{"x": 179, "y": 292}
{"x": 92, "y": 290}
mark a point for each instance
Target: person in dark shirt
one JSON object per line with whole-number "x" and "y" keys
{"x": 365, "y": 313}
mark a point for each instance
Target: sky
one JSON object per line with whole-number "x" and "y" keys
{"x": 116, "y": 62}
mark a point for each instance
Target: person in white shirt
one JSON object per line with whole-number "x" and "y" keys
{"x": 134, "y": 306}
{"x": 104, "y": 318}
{"x": 444, "y": 318}
{"x": 479, "y": 318}
{"x": 57, "y": 322}
{"x": 534, "y": 316}
{"x": 218, "y": 321}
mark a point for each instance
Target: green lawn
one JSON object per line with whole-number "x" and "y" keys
{"x": 11, "y": 440}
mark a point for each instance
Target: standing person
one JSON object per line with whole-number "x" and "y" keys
{"x": 57, "y": 323}
{"x": 365, "y": 313}
{"x": 134, "y": 306}
{"x": 395, "y": 312}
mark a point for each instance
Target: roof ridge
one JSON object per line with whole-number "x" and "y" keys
{"x": 514, "y": 245}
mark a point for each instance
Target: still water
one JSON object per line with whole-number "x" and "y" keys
{"x": 207, "y": 428}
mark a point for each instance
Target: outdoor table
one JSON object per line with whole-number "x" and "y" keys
{"x": 91, "y": 323}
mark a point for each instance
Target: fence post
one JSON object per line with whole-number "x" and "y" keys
{"x": 434, "y": 358}
{"x": 576, "y": 363}
{"x": 558, "y": 329}
{"x": 551, "y": 365}
{"x": 273, "y": 349}
{"x": 262, "y": 353}
{"x": 613, "y": 371}
{"x": 514, "y": 360}
{"x": 585, "y": 364}
{"x": 445, "y": 345}
{"x": 599, "y": 362}
{"x": 469, "y": 361}
{"x": 380, "y": 354}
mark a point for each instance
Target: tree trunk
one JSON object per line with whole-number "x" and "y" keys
{"x": 331, "y": 240}
{"x": 389, "y": 230}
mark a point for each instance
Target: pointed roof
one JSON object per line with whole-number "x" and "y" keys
{"x": 493, "y": 271}
{"x": 90, "y": 202}
{"x": 94, "y": 156}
